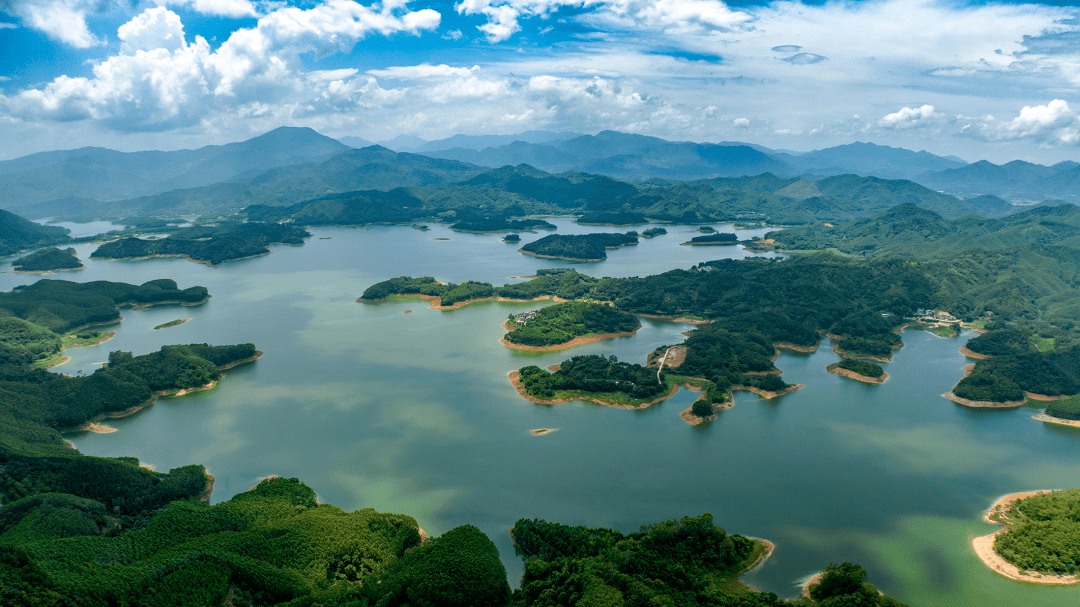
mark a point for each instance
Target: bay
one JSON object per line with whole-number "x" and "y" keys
{"x": 413, "y": 413}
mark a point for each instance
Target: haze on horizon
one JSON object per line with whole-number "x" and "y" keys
{"x": 979, "y": 79}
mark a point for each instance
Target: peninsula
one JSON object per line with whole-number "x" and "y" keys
{"x": 578, "y": 247}
{"x": 212, "y": 245}
{"x": 566, "y": 325}
{"x": 48, "y": 260}
{"x": 860, "y": 370}
{"x": 1037, "y": 541}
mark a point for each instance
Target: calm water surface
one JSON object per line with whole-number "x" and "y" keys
{"x": 413, "y": 413}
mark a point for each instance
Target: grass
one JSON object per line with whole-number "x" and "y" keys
{"x": 946, "y": 331}
{"x": 72, "y": 340}
{"x": 1042, "y": 344}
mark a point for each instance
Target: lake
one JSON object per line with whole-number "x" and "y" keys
{"x": 413, "y": 413}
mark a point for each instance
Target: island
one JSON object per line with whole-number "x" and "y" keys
{"x": 171, "y": 323}
{"x": 512, "y": 238}
{"x": 212, "y": 245}
{"x": 577, "y": 247}
{"x": 48, "y": 260}
{"x": 498, "y": 224}
{"x": 714, "y": 239}
{"x": 566, "y": 325}
{"x": 860, "y": 370}
{"x": 653, "y": 232}
{"x": 1038, "y": 539}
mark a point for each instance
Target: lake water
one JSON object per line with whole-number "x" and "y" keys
{"x": 413, "y": 413}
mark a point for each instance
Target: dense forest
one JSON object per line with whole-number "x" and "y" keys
{"x": 715, "y": 239}
{"x": 1006, "y": 378}
{"x": 861, "y": 367}
{"x": 210, "y": 244}
{"x": 614, "y": 218}
{"x": 578, "y": 247}
{"x": 653, "y": 232}
{"x": 1066, "y": 408}
{"x": 61, "y": 305}
{"x": 1043, "y": 533}
{"x": 593, "y": 374}
{"x": 47, "y": 260}
{"x": 18, "y": 233}
{"x": 563, "y": 322}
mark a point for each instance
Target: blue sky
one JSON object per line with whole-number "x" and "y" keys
{"x": 983, "y": 79}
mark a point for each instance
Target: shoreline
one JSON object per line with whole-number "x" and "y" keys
{"x": 794, "y": 348}
{"x": 174, "y": 323}
{"x": 758, "y": 562}
{"x": 48, "y": 272}
{"x": 542, "y": 431}
{"x": 515, "y": 380}
{"x": 877, "y": 359}
{"x": 140, "y": 307}
{"x": 984, "y": 545}
{"x": 435, "y": 299}
{"x": 566, "y": 345}
{"x": 766, "y": 394}
{"x": 687, "y": 415}
{"x": 983, "y": 404}
{"x": 692, "y": 321}
{"x": 866, "y": 379}
{"x": 1050, "y": 419}
{"x": 971, "y": 354}
{"x": 541, "y": 256}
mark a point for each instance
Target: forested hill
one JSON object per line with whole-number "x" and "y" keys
{"x": 17, "y": 233}
{"x": 210, "y": 244}
{"x": 913, "y": 231}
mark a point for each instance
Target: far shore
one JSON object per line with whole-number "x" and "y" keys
{"x": 984, "y": 546}
{"x": 577, "y": 341}
{"x": 983, "y": 404}
{"x": 436, "y": 305}
{"x": 836, "y": 370}
{"x": 47, "y": 272}
{"x": 693, "y": 321}
{"x": 972, "y": 354}
{"x": 523, "y": 251}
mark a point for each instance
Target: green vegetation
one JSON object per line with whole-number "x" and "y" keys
{"x": 1067, "y": 408}
{"x": 1006, "y": 378}
{"x": 683, "y": 563}
{"x": 47, "y": 260}
{"x": 1043, "y": 533}
{"x": 717, "y": 238}
{"x": 1001, "y": 342}
{"x": 210, "y": 244}
{"x": 171, "y": 323}
{"x": 702, "y": 408}
{"x": 17, "y": 234}
{"x": 653, "y": 232}
{"x": 845, "y": 585}
{"x": 512, "y": 238}
{"x": 614, "y": 218}
{"x": 861, "y": 367}
{"x": 595, "y": 375}
{"x": 563, "y": 322}
{"x": 499, "y": 223}
{"x": 61, "y": 305}
{"x": 578, "y": 247}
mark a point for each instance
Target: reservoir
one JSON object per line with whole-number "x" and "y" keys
{"x": 413, "y": 413}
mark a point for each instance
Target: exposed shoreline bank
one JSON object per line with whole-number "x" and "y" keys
{"x": 984, "y": 546}
{"x": 566, "y": 345}
{"x": 866, "y": 379}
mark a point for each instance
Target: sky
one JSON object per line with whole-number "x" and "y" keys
{"x": 979, "y": 79}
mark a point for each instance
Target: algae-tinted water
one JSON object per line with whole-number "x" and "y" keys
{"x": 413, "y": 413}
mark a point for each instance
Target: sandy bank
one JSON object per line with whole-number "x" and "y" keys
{"x": 258, "y": 355}
{"x": 209, "y": 489}
{"x": 971, "y": 354}
{"x": 983, "y": 404}
{"x": 1050, "y": 419}
{"x": 688, "y": 416}
{"x": 877, "y": 359}
{"x": 758, "y": 562}
{"x": 708, "y": 244}
{"x": 836, "y": 370}
{"x": 542, "y": 431}
{"x": 47, "y": 272}
{"x": 693, "y": 321}
{"x": 139, "y": 307}
{"x": 766, "y": 394}
{"x": 62, "y": 361}
{"x": 1045, "y": 398}
{"x": 95, "y": 428}
{"x": 984, "y": 546}
{"x": 577, "y": 341}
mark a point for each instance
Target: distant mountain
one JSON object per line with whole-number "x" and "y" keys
{"x": 403, "y": 143}
{"x": 917, "y": 232}
{"x": 870, "y": 159}
{"x": 17, "y": 233}
{"x": 101, "y": 174}
{"x": 373, "y": 167}
{"x": 481, "y": 142}
{"x": 355, "y": 142}
{"x": 1017, "y": 180}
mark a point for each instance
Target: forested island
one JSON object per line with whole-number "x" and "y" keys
{"x": 498, "y": 224}
{"x": 565, "y": 325}
{"x": 612, "y": 218}
{"x": 212, "y": 245}
{"x": 48, "y": 260}
{"x": 1038, "y": 541}
{"x": 861, "y": 370}
{"x": 653, "y": 232}
{"x": 578, "y": 247}
{"x": 714, "y": 239}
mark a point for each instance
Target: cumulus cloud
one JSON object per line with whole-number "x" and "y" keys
{"x": 1053, "y": 123}
{"x": 62, "y": 20}
{"x": 909, "y": 117}
{"x": 224, "y": 8}
{"x": 669, "y": 16}
{"x": 741, "y": 122}
{"x": 160, "y": 82}
{"x": 786, "y": 48}
{"x": 7, "y": 26}
{"x": 805, "y": 59}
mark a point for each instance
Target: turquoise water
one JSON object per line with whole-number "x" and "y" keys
{"x": 413, "y": 413}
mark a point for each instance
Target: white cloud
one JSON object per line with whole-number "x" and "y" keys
{"x": 224, "y": 8}
{"x": 1053, "y": 123}
{"x": 909, "y": 117}
{"x": 7, "y": 26}
{"x": 63, "y": 20}
{"x": 424, "y": 70}
{"x": 670, "y": 16}
{"x": 741, "y": 122}
{"x": 160, "y": 82}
